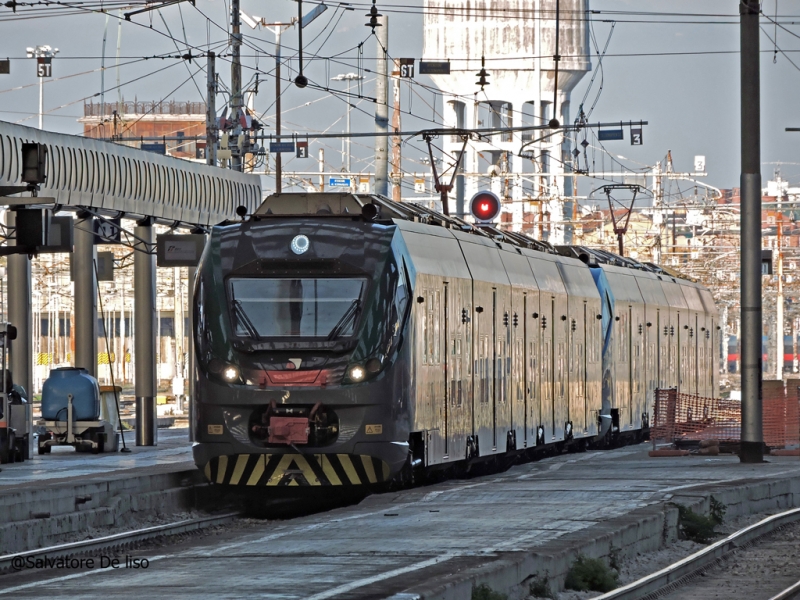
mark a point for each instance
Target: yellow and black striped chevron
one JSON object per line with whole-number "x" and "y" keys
{"x": 296, "y": 469}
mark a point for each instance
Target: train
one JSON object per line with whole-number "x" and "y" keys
{"x": 350, "y": 340}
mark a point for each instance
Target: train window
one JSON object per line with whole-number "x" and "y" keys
{"x": 305, "y": 308}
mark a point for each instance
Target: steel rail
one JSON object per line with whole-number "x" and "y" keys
{"x": 679, "y": 573}
{"x": 790, "y": 592}
{"x": 117, "y": 539}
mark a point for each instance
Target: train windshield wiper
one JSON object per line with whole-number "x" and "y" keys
{"x": 347, "y": 317}
{"x": 241, "y": 317}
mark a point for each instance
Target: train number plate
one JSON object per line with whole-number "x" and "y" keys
{"x": 215, "y": 429}
{"x": 374, "y": 429}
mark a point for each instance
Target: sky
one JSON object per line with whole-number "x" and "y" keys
{"x": 678, "y": 73}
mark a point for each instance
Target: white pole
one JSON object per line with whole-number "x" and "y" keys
{"x": 41, "y": 102}
{"x": 349, "y": 107}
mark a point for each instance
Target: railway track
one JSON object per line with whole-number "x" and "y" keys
{"x": 676, "y": 580}
{"x": 117, "y": 541}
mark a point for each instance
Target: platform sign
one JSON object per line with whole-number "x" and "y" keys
{"x": 344, "y": 182}
{"x": 174, "y": 250}
{"x": 636, "y": 136}
{"x": 699, "y": 164}
{"x": 44, "y": 66}
{"x": 276, "y": 147}
{"x": 427, "y": 67}
{"x": 105, "y": 266}
{"x": 419, "y": 185}
{"x": 607, "y": 135}
{"x": 159, "y": 148}
{"x": 363, "y": 185}
{"x": 302, "y": 149}
{"x": 107, "y": 231}
{"x": 407, "y": 68}
{"x": 5, "y": 66}
{"x": 59, "y": 237}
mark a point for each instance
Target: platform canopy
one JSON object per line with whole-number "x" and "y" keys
{"x": 82, "y": 172}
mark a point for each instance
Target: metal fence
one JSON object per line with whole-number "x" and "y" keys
{"x": 136, "y": 107}
{"x": 684, "y": 418}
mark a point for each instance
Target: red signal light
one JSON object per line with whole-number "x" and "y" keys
{"x": 485, "y": 206}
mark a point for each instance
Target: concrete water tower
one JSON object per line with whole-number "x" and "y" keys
{"x": 517, "y": 39}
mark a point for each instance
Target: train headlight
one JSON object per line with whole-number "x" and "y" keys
{"x": 230, "y": 373}
{"x": 300, "y": 244}
{"x": 356, "y": 373}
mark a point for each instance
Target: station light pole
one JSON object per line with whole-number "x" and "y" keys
{"x": 752, "y": 436}
{"x": 349, "y": 77}
{"x": 278, "y": 29}
{"x": 44, "y": 56}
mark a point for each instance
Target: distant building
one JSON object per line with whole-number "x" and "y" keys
{"x": 130, "y": 121}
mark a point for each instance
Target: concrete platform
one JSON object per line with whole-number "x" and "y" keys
{"x": 174, "y": 448}
{"x": 439, "y": 541}
{"x": 62, "y": 496}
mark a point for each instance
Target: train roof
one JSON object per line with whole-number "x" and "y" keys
{"x": 340, "y": 204}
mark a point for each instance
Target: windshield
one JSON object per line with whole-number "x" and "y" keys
{"x": 295, "y": 308}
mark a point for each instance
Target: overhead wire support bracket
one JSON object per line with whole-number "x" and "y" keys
{"x": 155, "y": 6}
{"x": 444, "y": 189}
{"x": 621, "y": 229}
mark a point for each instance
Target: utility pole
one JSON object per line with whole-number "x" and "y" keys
{"x": 397, "y": 176}
{"x": 382, "y": 109}
{"x": 278, "y": 156}
{"x": 237, "y": 159}
{"x": 211, "y": 111}
{"x": 752, "y": 439}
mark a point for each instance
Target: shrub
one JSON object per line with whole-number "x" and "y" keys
{"x": 590, "y": 575}
{"x": 718, "y": 510}
{"x": 540, "y": 587}
{"x": 484, "y": 592}
{"x": 699, "y": 528}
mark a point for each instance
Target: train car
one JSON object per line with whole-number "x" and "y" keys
{"x": 346, "y": 340}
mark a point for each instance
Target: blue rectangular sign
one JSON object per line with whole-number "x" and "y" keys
{"x": 428, "y": 67}
{"x": 605, "y": 135}
{"x": 157, "y": 148}
{"x": 281, "y": 146}
{"x": 339, "y": 182}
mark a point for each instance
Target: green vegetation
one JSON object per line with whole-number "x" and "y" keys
{"x": 540, "y": 586}
{"x": 590, "y": 575}
{"x": 699, "y": 528}
{"x": 484, "y": 592}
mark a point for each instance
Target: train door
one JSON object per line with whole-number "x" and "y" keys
{"x": 623, "y": 364}
{"x": 483, "y": 377}
{"x": 496, "y": 354}
{"x": 693, "y": 352}
{"x": 681, "y": 353}
{"x": 518, "y": 403}
{"x": 429, "y": 410}
{"x": 503, "y": 362}
{"x": 448, "y": 366}
{"x": 672, "y": 348}
{"x": 576, "y": 362}
{"x": 560, "y": 374}
{"x": 582, "y": 360}
{"x": 637, "y": 365}
{"x": 594, "y": 350}
{"x": 548, "y": 409}
{"x": 533, "y": 392}
{"x": 459, "y": 420}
